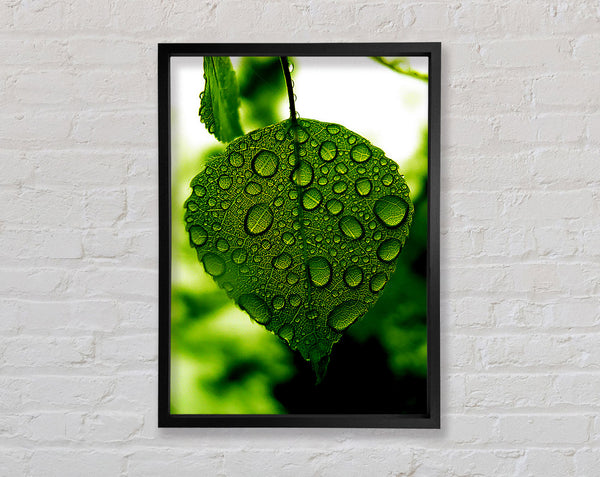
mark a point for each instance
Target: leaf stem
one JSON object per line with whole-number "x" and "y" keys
{"x": 397, "y": 66}
{"x": 285, "y": 66}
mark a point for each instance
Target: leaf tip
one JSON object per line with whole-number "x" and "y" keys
{"x": 320, "y": 368}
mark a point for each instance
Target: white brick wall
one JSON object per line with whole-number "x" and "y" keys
{"x": 520, "y": 239}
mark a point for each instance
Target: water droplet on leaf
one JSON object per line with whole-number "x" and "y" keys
{"x": 377, "y": 282}
{"x": 265, "y": 163}
{"x": 198, "y": 235}
{"x": 346, "y": 313}
{"x": 236, "y": 159}
{"x": 353, "y": 276}
{"x": 351, "y": 227}
{"x": 390, "y": 210}
{"x": 328, "y": 151}
{"x": 239, "y": 256}
{"x": 319, "y": 271}
{"x": 225, "y": 182}
{"x": 389, "y": 250}
{"x": 258, "y": 219}
{"x": 278, "y": 302}
{"x": 334, "y": 206}
{"x": 213, "y": 264}
{"x": 282, "y": 261}
{"x": 255, "y": 307}
{"x": 303, "y": 174}
{"x": 360, "y": 153}
{"x": 363, "y": 186}
{"x": 311, "y": 199}
{"x": 340, "y": 187}
{"x": 222, "y": 245}
{"x": 253, "y": 188}
{"x": 288, "y": 238}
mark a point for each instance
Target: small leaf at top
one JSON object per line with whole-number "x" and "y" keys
{"x": 219, "y": 102}
{"x": 301, "y": 224}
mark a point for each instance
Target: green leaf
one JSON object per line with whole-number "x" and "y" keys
{"x": 301, "y": 224}
{"x": 219, "y": 102}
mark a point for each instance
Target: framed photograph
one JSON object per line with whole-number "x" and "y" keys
{"x": 299, "y": 235}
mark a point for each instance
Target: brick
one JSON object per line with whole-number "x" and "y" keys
{"x": 139, "y": 349}
{"x": 108, "y": 426}
{"x": 114, "y": 88}
{"x": 540, "y": 53}
{"x": 184, "y": 16}
{"x": 471, "y": 312}
{"x": 523, "y": 18}
{"x": 568, "y": 89}
{"x": 137, "y": 315}
{"x": 110, "y": 282}
{"x": 472, "y": 430}
{"x": 84, "y": 168}
{"x": 107, "y": 243}
{"x": 577, "y": 389}
{"x": 35, "y": 351}
{"x": 466, "y": 132}
{"x": 429, "y": 17}
{"x": 35, "y": 126}
{"x": 547, "y": 128}
{"x": 467, "y": 462}
{"x": 549, "y": 462}
{"x": 88, "y": 14}
{"x": 103, "y": 129}
{"x": 38, "y": 51}
{"x": 34, "y": 316}
{"x": 105, "y": 208}
{"x": 587, "y": 461}
{"x": 550, "y": 206}
{"x": 579, "y": 18}
{"x": 593, "y": 128}
{"x": 44, "y": 87}
{"x": 14, "y": 461}
{"x": 31, "y": 282}
{"x": 529, "y": 429}
{"x": 44, "y": 15}
{"x": 519, "y": 313}
{"x": 105, "y": 52}
{"x": 573, "y": 313}
{"x": 503, "y": 392}
{"x": 47, "y": 426}
{"x": 380, "y": 17}
{"x": 132, "y": 392}
{"x": 47, "y": 244}
{"x": 142, "y": 205}
{"x": 65, "y": 392}
{"x": 40, "y": 208}
{"x": 74, "y": 462}
{"x": 530, "y": 351}
{"x": 549, "y": 165}
{"x": 11, "y": 394}
{"x": 586, "y": 50}
{"x": 17, "y": 168}
{"x": 168, "y": 461}
{"x": 501, "y": 93}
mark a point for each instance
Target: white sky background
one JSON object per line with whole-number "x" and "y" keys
{"x": 387, "y": 108}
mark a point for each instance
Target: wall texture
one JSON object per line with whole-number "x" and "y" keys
{"x": 520, "y": 239}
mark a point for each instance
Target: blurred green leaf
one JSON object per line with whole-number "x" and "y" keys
{"x": 301, "y": 223}
{"x": 262, "y": 89}
{"x": 219, "y": 102}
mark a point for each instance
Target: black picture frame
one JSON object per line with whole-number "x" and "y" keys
{"x": 431, "y": 419}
